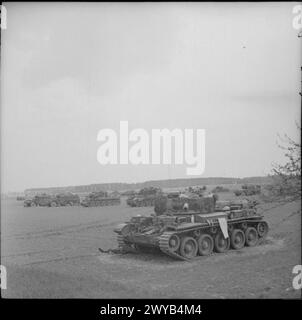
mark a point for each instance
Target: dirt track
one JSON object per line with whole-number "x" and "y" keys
{"x": 53, "y": 253}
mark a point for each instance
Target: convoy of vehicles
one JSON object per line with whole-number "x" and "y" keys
{"x": 184, "y": 225}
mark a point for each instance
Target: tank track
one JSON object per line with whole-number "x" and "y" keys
{"x": 164, "y": 246}
{"x": 123, "y": 246}
{"x": 165, "y": 237}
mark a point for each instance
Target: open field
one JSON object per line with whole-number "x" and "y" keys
{"x": 53, "y": 253}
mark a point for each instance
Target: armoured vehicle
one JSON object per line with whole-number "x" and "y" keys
{"x": 43, "y": 200}
{"x": 248, "y": 190}
{"x": 144, "y": 198}
{"x": 67, "y": 199}
{"x": 47, "y": 200}
{"x": 173, "y": 194}
{"x": 220, "y": 189}
{"x": 100, "y": 199}
{"x": 128, "y": 193}
{"x": 197, "y": 190}
{"x": 196, "y": 231}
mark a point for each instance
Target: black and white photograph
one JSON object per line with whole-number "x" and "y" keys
{"x": 151, "y": 150}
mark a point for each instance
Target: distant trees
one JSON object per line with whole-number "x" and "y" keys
{"x": 286, "y": 185}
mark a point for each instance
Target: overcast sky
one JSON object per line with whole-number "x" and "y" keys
{"x": 69, "y": 70}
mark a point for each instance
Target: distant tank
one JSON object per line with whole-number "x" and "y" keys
{"x": 144, "y": 198}
{"x": 67, "y": 199}
{"x": 100, "y": 199}
{"x": 197, "y": 190}
{"x": 48, "y": 200}
{"x": 173, "y": 194}
{"x": 186, "y": 233}
{"x": 128, "y": 193}
{"x": 220, "y": 189}
{"x": 42, "y": 200}
{"x": 248, "y": 190}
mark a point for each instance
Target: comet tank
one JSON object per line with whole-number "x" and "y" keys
{"x": 186, "y": 229}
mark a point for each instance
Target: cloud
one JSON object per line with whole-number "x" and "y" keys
{"x": 101, "y": 48}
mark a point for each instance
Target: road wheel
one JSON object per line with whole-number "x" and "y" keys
{"x": 221, "y": 244}
{"x": 33, "y": 204}
{"x": 237, "y": 239}
{"x": 188, "y": 247}
{"x": 262, "y": 229}
{"x": 53, "y": 204}
{"x": 174, "y": 242}
{"x": 251, "y": 237}
{"x": 205, "y": 245}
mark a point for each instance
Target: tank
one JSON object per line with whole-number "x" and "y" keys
{"x": 42, "y": 200}
{"x": 67, "y": 199}
{"x": 100, "y": 199}
{"x": 248, "y": 190}
{"x": 186, "y": 232}
{"x": 48, "y": 200}
{"x": 197, "y": 190}
{"x": 144, "y": 198}
{"x": 220, "y": 189}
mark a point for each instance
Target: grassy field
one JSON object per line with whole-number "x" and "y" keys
{"x": 53, "y": 253}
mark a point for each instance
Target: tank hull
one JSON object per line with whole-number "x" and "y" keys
{"x": 101, "y": 202}
{"x": 141, "y": 202}
{"x": 189, "y": 238}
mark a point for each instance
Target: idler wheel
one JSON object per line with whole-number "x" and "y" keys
{"x": 251, "y": 237}
{"x": 174, "y": 242}
{"x": 188, "y": 247}
{"x": 221, "y": 244}
{"x": 205, "y": 245}
{"x": 262, "y": 229}
{"x": 237, "y": 239}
